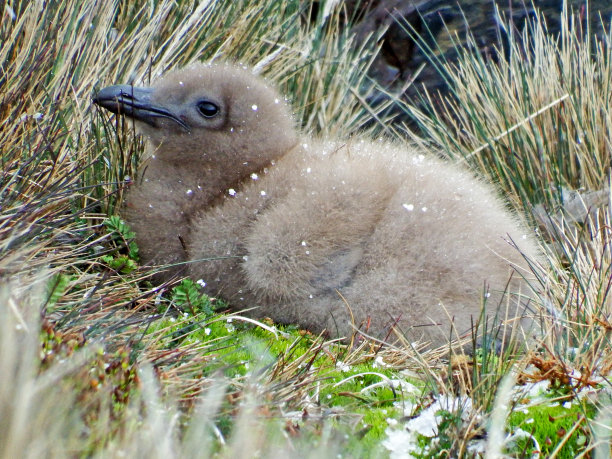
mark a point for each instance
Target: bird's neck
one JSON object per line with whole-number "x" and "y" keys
{"x": 202, "y": 184}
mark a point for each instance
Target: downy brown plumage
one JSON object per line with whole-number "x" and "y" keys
{"x": 320, "y": 233}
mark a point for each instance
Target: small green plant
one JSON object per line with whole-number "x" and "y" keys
{"x": 187, "y": 297}
{"x": 123, "y": 238}
{"x": 122, "y": 234}
{"x": 120, "y": 263}
{"x": 449, "y": 430}
{"x": 56, "y": 287}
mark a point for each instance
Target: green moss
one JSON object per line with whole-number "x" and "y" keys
{"x": 360, "y": 395}
{"x": 354, "y": 381}
{"x": 375, "y": 422}
{"x": 361, "y": 416}
{"x": 376, "y": 405}
{"x": 548, "y": 424}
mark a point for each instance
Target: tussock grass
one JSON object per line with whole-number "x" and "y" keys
{"x": 78, "y": 406}
{"x": 65, "y": 167}
{"x": 536, "y": 122}
{"x": 100, "y": 362}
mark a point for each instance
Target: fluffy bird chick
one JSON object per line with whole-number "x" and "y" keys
{"x": 323, "y": 234}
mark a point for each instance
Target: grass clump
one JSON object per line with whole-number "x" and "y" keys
{"x": 535, "y": 120}
{"x": 100, "y": 362}
{"x": 65, "y": 168}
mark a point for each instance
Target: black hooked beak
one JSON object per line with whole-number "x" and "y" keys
{"x": 134, "y": 102}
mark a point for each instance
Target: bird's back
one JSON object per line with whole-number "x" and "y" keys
{"x": 366, "y": 230}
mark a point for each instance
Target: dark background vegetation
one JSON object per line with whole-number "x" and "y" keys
{"x": 442, "y": 24}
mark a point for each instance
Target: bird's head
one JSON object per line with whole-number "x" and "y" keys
{"x": 215, "y": 114}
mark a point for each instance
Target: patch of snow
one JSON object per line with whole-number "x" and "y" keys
{"x": 477, "y": 447}
{"x": 407, "y": 406}
{"x": 379, "y": 362}
{"x": 535, "y": 389}
{"x": 343, "y": 367}
{"x": 426, "y": 423}
{"x": 400, "y": 443}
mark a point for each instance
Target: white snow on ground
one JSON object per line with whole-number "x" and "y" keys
{"x": 402, "y": 440}
{"x": 401, "y": 443}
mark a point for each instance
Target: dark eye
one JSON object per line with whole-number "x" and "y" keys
{"x": 207, "y": 109}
